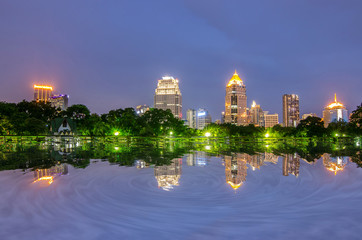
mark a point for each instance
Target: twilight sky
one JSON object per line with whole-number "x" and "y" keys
{"x": 110, "y": 54}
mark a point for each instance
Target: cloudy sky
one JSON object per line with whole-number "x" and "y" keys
{"x": 110, "y": 54}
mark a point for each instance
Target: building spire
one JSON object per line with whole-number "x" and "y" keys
{"x": 335, "y": 97}
{"x": 235, "y": 72}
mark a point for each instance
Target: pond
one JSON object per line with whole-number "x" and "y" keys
{"x": 152, "y": 189}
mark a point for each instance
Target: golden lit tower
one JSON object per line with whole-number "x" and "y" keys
{"x": 42, "y": 93}
{"x": 335, "y": 111}
{"x": 235, "y": 101}
{"x": 235, "y": 169}
{"x": 168, "y": 96}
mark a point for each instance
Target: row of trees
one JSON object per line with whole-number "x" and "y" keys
{"x": 33, "y": 118}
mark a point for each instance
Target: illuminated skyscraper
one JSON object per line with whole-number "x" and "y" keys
{"x": 168, "y": 96}
{"x": 59, "y": 101}
{"x": 290, "y": 110}
{"x": 256, "y": 115}
{"x": 191, "y": 118}
{"x": 42, "y": 93}
{"x": 141, "y": 109}
{"x": 335, "y": 112}
{"x": 235, "y": 101}
{"x": 203, "y": 118}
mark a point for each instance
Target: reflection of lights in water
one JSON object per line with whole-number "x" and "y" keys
{"x": 207, "y": 147}
{"x": 49, "y": 179}
{"x": 334, "y": 164}
{"x": 234, "y": 185}
{"x": 267, "y": 145}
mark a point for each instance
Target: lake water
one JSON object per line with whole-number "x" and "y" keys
{"x": 176, "y": 191}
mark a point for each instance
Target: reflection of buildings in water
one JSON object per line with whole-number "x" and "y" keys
{"x": 48, "y": 174}
{"x": 235, "y": 169}
{"x": 236, "y": 166}
{"x": 197, "y": 159}
{"x": 141, "y": 164}
{"x": 291, "y": 164}
{"x": 64, "y": 148}
{"x": 334, "y": 164}
{"x": 168, "y": 176}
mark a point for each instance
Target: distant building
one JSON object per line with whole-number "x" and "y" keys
{"x": 191, "y": 118}
{"x": 235, "y": 101}
{"x": 141, "y": 109}
{"x": 217, "y": 121}
{"x": 290, "y": 110}
{"x": 270, "y": 119}
{"x": 256, "y": 115}
{"x": 222, "y": 117}
{"x": 335, "y": 111}
{"x": 304, "y": 116}
{"x": 203, "y": 118}
{"x": 59, "y": 101}
{"x": 168, "y": 96}
{"x": 62, "y": 126}
{"x": 42, "y": 93}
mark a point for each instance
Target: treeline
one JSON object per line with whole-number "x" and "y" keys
{"x": 33, "y": 118}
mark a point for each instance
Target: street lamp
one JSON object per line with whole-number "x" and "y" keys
{"x": 207, "y": 134}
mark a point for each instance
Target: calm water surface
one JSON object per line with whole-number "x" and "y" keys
{"x": 65, "y": 194}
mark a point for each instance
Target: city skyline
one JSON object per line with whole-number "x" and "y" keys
{"x": 303, "y": 54}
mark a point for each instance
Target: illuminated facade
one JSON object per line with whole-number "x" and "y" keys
{"x": 304, "y": 116}
{"x": 168, "y": 96}
{"x": 291, "y": 164}
{"x": 235, "y": 169}
{"x": 42, "y": 93}
{"x": 168, "y": 176}
{"x": 235, "y": 101}
{"x": 203, "y": 118}
{"x": 59, "y": 101}
{"x": 141, "y": 109}
{"x": 335, "y": 111}
{"x": 271, "y": 119}
{"x": 256, "y": 115}
{"x": 290, "y": 110}
{"x": 197, "y": 158}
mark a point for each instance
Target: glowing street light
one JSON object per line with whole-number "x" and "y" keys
{"x": 267, "y": 135}
{"x": 207, "y": 134}
{"x": 171, "y": 133}
{"x": 116, "y": 133}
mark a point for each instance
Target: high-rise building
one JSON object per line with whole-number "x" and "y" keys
{"x": 168, "y": 96}
{"x": 270, "y": 119}
{"x": 141, "y": 109}
{"x": 290, "y": 110}
{"x": 59, "y": 101}
{"x": 334, "y": 112}
{"x": 203, "y": 118}
{"x": 235, "y": 101}
{"x": 42, "y": 93}
{"x": 191, "y": 118}
{"x": 256, "y": 115}
{"x": 304, "y": 116}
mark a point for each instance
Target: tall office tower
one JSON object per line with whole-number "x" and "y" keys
{"x": 235, "y": 101}
{"x": 256, "y": 115}
{"x": 168, "y": 96}
{"x": 291, "y": 164}
{"x": 203, "y": 118}
{"x": 59, "y": 101}
{"x": 141, "y": 109}
{"x": 42, "y": 93}
{"x": 270, "y": 119}
{"x": 290, "y": 110}
{"x": 191, "y": 118}
{"x": 168, "y": 176}
{"x": 334, "y": 112}
{"x": 304, "y": 116}
{"x": 235, "y": 169}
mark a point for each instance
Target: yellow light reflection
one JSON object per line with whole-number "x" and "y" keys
{"x": 49, "y": 179}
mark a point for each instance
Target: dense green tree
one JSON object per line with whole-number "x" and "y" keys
{"x": 356, "y": 116}
{"x": 311, "y": 127}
